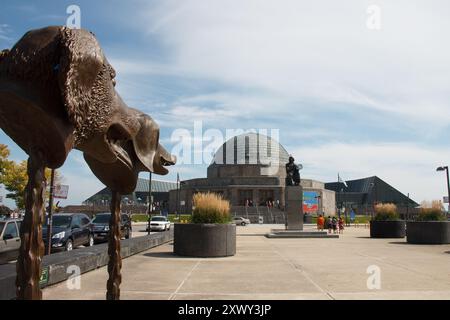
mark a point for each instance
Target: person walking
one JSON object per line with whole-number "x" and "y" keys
{"x": 329, "y": 224}
{"x": 320, "y": 223}
{"x": 334, "y": 224}
{"x": 341, "y": 225}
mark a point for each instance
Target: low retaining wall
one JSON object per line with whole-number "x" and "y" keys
{"x": 87, "y": 259}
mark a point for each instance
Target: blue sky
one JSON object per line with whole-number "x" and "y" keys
{"x": 346, "y": 98}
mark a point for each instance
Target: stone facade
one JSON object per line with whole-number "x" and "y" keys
{"x": 246, "y": 179}
{"x": 259, "y": 191}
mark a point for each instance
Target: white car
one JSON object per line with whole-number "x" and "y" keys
{"x": 240, "y": 221}
{"x": 159, "y": 223}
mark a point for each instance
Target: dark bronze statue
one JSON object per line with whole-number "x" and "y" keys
{"x": 56, "y": 94}
{"x": 293, "y": 173}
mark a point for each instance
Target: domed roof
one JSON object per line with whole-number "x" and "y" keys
{"x": 251, "y": 148}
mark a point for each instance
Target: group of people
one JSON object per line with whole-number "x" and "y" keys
{"x": 269, "y": 203}
{"x": 333, "y": 224}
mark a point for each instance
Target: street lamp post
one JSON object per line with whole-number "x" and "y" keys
{"x": 448, "y": 183}
{"x": 373, "y": 185}
{"x": 178, "y": 197}
{"x": 285, "y": 215}
{"x": 407, "y": 208}
{"x": 319, "y": 211}
{"x": 50, "y": 213}
{"x": 150, "y": 205}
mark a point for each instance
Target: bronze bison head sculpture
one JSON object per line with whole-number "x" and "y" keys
{"x": 57, "y": 92}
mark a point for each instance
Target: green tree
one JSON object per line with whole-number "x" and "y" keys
{"x": 4, "y": 162}
{"x": 4, "y": 210}
{"x": 15, "y": 180}
{"x": 14, "y": 177}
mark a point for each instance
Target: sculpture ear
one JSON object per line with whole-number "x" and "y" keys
{"x": 151, "y": 154}
{"x": 81, "y": 61}
{"x": 146, "y": 142}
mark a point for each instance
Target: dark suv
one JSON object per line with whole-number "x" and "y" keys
{"x": 101, "y": 226}
{"x": 69, "y": 230}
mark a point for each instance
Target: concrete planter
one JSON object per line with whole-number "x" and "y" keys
{"x": 387, "y": 229}
{"x": 205, "y": 240}
{"x": 428, "y": 232}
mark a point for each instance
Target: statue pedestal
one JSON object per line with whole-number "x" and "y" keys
{"x": 294, "y": 218}
{"x": 294, "y": 207}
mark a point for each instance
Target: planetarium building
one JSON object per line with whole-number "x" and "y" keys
{"x": 249, "y": 171}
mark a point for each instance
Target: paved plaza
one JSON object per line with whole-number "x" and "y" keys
{"x": 280, "y": 269}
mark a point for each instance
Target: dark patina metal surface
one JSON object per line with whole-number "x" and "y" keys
{"x": 57, "y": 93}
{"x": 293, "y": 173}
{"x": 115, "y": 261}
{"x": 32, "y": 247}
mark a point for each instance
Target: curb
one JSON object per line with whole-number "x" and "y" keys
{"x": 56, "y": 265}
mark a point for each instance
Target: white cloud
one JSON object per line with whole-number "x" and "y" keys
{"x": 252, "y": 63}
{"x": 141, "y": 67}
{"x": 273, "y": 57}
{"x": 5, "y": 30}
{"x": 317, "y": 50}
{"x": 179, "y": 114}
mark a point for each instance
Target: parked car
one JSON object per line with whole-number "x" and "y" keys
{"x": 240, "y": 221}
{"x": 159, "y": 223}
{"x": 101, "y": 226}
{"x": 9, "y": 239}
{"x": 69, "y": 230}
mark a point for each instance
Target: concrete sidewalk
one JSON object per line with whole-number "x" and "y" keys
{"x": 280, "y": 269}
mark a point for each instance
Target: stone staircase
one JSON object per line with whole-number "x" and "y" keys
{"x": 269, "y": 215}
{"x": 280, "y": 233}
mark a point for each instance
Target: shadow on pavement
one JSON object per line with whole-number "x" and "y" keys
{"x": 164, "y": 255}
{"x": 403, "y": 242}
